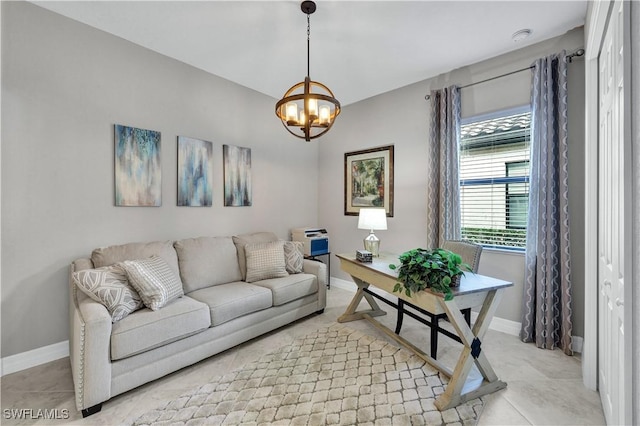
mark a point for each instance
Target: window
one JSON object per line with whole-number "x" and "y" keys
{"x": 517, "y": 195}
{"x": 494, "y": 179}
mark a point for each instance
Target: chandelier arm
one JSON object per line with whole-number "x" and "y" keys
{"x": 301, "y": 96}
{"x": 307, "y": 115}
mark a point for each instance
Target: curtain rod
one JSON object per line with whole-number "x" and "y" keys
{"x": 578, "y": 52}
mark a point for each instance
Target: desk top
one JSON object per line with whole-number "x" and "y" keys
{"x": 470, "y": 282}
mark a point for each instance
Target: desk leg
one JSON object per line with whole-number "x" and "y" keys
{"x": 471, "y": 353}
{"x": 351, "y": 315}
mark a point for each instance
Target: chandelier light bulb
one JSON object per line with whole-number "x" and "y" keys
{"x": 292, "y": 113}
{"x": 325, "y": 114}
{"x": 313, "y": 107}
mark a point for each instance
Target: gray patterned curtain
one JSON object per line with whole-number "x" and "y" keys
{"x": 546, "y": 317}
{"x": 443, "y": 189}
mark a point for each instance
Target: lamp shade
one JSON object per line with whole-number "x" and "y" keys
{"x": 373, "y": 219}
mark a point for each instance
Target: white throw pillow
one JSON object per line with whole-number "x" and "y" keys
{"x": 154, "y": 280}
{"x": 265, "y": 260}
{"x": 293, "y": 257}
{"x": 109, "y": 285}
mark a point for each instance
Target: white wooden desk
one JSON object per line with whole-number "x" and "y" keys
{"x": 474, "y": 290}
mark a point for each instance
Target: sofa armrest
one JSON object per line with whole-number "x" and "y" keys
{"x": 89, "y": 340}
{"x": 318, "y": 269}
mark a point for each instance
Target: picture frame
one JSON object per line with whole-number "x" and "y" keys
{"x": 368, "y": 180}
{"x": 195, "y": 172}
{"x": 236, "y": 165}
{"x": 137, "y": 169}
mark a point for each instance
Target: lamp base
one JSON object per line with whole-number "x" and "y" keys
{"x": 372, "y": 244}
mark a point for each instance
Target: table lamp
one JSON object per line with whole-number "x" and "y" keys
{"x": 373, "y": 219}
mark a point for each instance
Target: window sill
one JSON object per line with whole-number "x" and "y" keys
{"x": 518, "y": 253}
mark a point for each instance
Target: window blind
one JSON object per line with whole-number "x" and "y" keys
{"x": 494, "y": 180}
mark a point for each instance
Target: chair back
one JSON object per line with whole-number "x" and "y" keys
{"x": 468, "y": 251}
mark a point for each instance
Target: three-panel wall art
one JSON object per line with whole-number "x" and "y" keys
{"x": 138, "y": 170}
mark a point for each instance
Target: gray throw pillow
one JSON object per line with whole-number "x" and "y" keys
{"x": 293, "y": 257}
{"x": 265, "y": 260}
{"x": 154, "y": 280}
{"x": 109, "y": 285}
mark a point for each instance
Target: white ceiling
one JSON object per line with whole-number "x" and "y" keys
{"x": 358, "y": 48}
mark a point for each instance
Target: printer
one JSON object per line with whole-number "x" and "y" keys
{"x": 314, "y": 240}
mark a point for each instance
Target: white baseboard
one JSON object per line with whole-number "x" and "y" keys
{"x": 576, "y": 343}
{"x": 502, "y": 325}
{"x": 498, "y": 324}
{"x": 343, "y": 284}
{"x": 32, "y": 358}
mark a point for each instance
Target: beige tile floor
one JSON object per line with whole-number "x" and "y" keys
{"x": 544, "y": 387}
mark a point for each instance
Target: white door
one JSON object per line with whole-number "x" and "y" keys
{"x": 611, "y": 222}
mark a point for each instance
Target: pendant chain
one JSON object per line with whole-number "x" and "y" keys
{"x": 308, "y": 37}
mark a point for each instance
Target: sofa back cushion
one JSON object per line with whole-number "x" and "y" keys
{"x": 242, "y": 240}
{"x": 207, "y": 261}
{"x": 106, "y": 256}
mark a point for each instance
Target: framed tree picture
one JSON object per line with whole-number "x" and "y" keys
{"x": 368, "y": 180}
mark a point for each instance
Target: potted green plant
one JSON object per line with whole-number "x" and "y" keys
{"x": 438, "y": 269}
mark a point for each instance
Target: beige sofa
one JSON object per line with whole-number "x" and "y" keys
{"x": 219, "y": 310}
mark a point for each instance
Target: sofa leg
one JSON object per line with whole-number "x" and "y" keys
{"x": 91, "y": 410}
{"x": 320, "y": 311}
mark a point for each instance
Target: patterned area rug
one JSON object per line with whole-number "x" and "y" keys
{"x": 335, "y": 375}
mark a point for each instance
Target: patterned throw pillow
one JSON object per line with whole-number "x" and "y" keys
{"x": 109, "y": 285}
{"x": 265, "y": 260}
{"x": 293, "y": 257}
{"x": 154, "y": 280}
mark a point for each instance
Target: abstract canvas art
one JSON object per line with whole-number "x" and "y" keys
{"x": 237, "y": 175}
{"x": 138, "y": 173}
{"x": 195, "y": 172}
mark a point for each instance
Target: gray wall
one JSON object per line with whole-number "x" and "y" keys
{"x": 400, "y": 117}
{"x": 64, "y": 86}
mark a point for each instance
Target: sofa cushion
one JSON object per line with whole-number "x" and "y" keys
{"x": 146, "y": 329}
{"x": 290, "y": 288}
{"x": 106, "y": 256}
{"x": 293, "y": 256}
{"x": 233, "y": 300}
{"x": 109, "y": 285}
{"x": 241, "y": 240}
{"x": 154, "y": 281}
{"x": 207, "y": 261}
{"x": 265, "y": 260}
